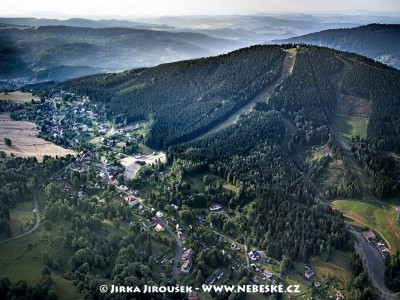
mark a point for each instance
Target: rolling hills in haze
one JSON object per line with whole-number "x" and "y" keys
{"x": 60, "y": 52}
{"x": 248, "y": 30}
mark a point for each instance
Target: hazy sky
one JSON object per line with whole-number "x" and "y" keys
{"x": 188, "y": 7}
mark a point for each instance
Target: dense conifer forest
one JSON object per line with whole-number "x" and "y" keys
{"x": 283, "y": 213}
{"x": 184, "y": 99}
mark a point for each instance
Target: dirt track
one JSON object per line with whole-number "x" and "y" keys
{"x": 286, "y": 70}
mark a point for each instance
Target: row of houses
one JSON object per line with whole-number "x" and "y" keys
{"x": 187, "y": 258}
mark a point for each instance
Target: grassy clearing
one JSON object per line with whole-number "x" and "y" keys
{"x": 145, "y": 150}
{"x": 109, "y": 225}
{"x": 338, "y": 266}
{"x": 19, "y": 97}
{"x": 22, "y": 218}
{"x": 294, "y": 278}
{"x": 350, "y": 126}
{"x": 377, "y": 216}
{"x": 158, "y": 248}
{"x": 19, "y": 261}
{"x": 196, "y": 182}
{"x": 230, "y": 187}
{"x": 64, "y": 288}
{"x": 332, "y": 275}
{"x": 316, "y": 153}
{"x": 255, "y": 297}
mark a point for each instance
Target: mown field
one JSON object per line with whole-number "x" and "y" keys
{"x": 18, "y": 96}
{"x": 24, "y": 140}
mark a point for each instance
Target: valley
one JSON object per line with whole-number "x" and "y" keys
{"x": 174, "y": 184}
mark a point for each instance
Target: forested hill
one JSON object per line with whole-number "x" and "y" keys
{"x": 183, "y": 100}
{"x": 377, "y": 41}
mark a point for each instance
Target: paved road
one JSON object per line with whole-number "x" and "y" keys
{"x": 179, "y": 249}
{"x": 374, "y": 263}
{"x": 37, "y": 215}
{"x": 245, "y": 253}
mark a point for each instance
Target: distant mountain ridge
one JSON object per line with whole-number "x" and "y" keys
{"x": 82, "y": 22}
{"x": 380, "y": 42}
{"x": 251, "y": 29}
{"x": 77, "y": 51}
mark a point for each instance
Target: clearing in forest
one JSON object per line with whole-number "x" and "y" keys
{"x": 132, "y": 168}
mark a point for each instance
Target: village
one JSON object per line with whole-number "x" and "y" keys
{"x": 112, "y": 152}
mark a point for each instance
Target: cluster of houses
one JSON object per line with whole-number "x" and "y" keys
{"x": 113, "y": 173}
{"x": 83, "y": 159}
{"x": 109, "y": 142}
{"x": 80, "y": 110}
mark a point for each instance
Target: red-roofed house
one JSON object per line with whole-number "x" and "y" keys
{"x": 187, "y": 265}
{"x": 370, "y": 236}
{"x": 267, "y": 273}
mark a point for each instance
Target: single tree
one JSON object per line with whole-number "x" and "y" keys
{"x": 8, "y": 142}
